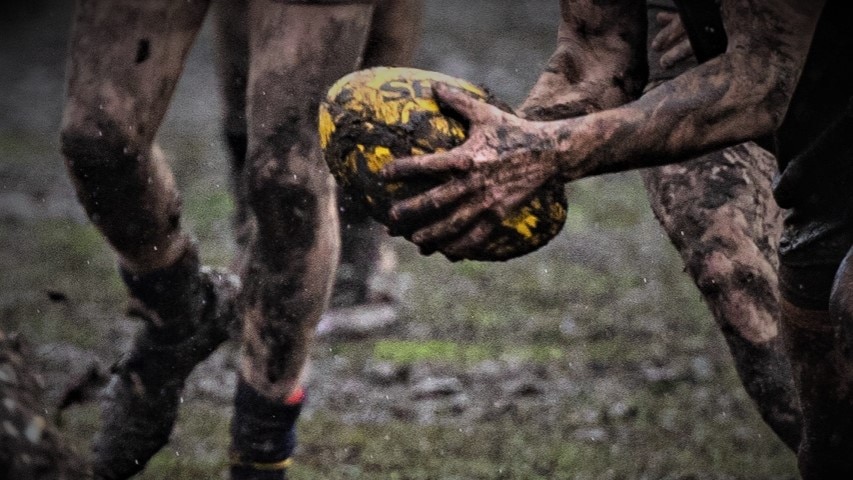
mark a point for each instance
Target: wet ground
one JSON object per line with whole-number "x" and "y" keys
{"x": 592, "y": 358}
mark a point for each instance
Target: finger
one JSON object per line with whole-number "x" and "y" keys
{"x": 669, "y": 36}
{"x": 445, "y": 230}
{"x": 676, "y": 54}
{"x": 464, "y": 103}
{"x": 428, "y": 203}
{"x": 433, "y": 164}
{"x": 665, "y": 18}
{"x": 471, "y": 244}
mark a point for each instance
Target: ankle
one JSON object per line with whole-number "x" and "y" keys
{"x": 157, "y": 257}
{"x": 168, "y": 298}
{"x": 263, "y": 434}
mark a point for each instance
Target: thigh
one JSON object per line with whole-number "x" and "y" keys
{"x": 231, "y": 45}
{"x": 719, "y": 213}
{"x": 395, "y": 31}
{"x": 125, "y": 60}
{"x": 296, "y": 52}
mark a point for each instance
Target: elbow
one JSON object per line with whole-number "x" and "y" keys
{"x": 774, "y": 104}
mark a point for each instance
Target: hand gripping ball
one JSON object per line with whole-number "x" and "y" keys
{"x": 373, "y": 116}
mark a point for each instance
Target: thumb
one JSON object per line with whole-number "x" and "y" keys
{"x": 463, "y": 103}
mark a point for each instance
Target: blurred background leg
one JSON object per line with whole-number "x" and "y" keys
{"x": 394, "y": 36}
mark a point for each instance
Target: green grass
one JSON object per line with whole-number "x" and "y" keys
{"x": 57, "y": 256}
{"x": 207, "y": 215}
{"x": 506, "y": 449}
{"x": 627, "y": 303}
{"x": 414, "y": 351}
{"x": 199, "y": 448}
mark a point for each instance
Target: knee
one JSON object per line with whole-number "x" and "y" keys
{"x": 718, "y": 275}
{"x": 97, "y": 143}
{"x": 740, "y": 293}
{"x": 278, "y": 199}
{"x": 289, "y": 198}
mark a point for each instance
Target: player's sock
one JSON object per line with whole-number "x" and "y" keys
{"x": 263, "y": 434}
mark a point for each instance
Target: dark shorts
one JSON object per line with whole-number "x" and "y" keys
{"x": 815, "y": 153}
{"x": 817, "y": 235}
{"x": 810, "y": 251}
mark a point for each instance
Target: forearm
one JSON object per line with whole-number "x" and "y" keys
{"x": 738, "y": 96}
{"x": 702, "y": 110}
{"x": 599, "y": 61}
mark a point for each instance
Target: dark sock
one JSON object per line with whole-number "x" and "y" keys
{"x": 173, "y": 292}
{"x": 263, "y": 435}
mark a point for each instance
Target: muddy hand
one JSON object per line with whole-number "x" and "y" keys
{"x": 502, "y": 163}
{"x": 672, "y": 40}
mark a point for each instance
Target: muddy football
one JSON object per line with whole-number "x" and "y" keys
{"x": 373, "y": 116}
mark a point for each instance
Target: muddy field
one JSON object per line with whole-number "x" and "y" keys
{"x": 592, "y": 358}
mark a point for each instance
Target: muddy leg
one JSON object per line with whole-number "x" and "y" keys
{"x": 126, "y": 57}
{"x": 297, "y": 52}
{"x": 394, "y": 34}
{"x": 823, "y": 379}
{"x": 841, "y": 302}
{"x": 822, "y": 369}
{"x": 395, "y": 31}
{"x": 232, "y": 61}
{"x": 720, "y": 215}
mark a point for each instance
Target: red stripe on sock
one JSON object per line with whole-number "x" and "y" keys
{"x": 295, "y": 397}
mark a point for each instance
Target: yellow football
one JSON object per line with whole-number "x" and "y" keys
{"x": 373, "y": 116}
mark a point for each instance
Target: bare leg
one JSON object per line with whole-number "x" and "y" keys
{"x": 296, "y": 52}
{"x": 126, "y": 57}
{"x": 394, "y": 34}
{"x": 823, "y": 373}
{"x": 811, "y": 339}
{"x": 232, "y": 55}
{"x": 720, "y": 215}
{"x": 395, "y": 31}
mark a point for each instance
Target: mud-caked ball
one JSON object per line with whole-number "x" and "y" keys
{"x": 373, "y": 116}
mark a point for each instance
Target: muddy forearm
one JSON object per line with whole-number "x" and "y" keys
{"x": 599, "y": 61}
{"x": 738, "y": 96}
